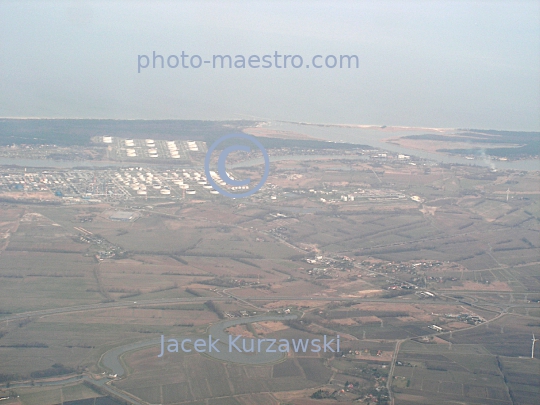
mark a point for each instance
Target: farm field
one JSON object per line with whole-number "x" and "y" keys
{"x": 435, "y": 298}
{"x": 194, "y": 377}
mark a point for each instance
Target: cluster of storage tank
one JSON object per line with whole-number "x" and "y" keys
{"x": 141, "y": 181}
{"x": 185, "y": 186}
{"x": 179, "y": 181}
{"x": 131, "y": 181}
{"x": 200, "y": 180}
{"x": 218, "y": 179}
{"x": 173, "y": 149}
{"x": 151, "y": 145}
{"x": 192, "y": 146}
{"x": 152, "y": 150}
{"x": 130, "y": 144}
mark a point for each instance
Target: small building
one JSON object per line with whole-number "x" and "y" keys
{"x": 124, "y": 216}
{"x": 435, "y": 328}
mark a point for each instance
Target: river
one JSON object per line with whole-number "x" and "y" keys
{"x": 375, "y": 138}
{"x": 361, "y": 136}
{"x": 111, "y": 359}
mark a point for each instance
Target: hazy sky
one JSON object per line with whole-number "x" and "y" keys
{"x": 427, "y": 63}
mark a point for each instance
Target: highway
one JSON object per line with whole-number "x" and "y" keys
{"x": 229, "y": 296}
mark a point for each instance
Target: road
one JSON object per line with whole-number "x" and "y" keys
{"x": 400, "y": 342}
{"x": 228, "y": 295}
{"x": 124, "y": 304}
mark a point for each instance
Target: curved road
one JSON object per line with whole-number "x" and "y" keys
{"x": 111, "y": 359}
{"x": 89, "y": 307}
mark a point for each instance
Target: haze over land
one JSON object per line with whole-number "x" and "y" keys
{"x": 384, "y": 208}
{"x": 429, "y": 64}
{"x": 427, "y": 270}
